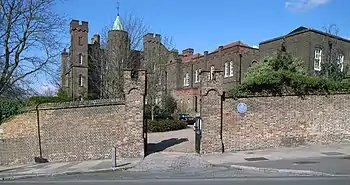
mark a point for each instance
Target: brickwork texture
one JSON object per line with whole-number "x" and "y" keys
{"x": 270, "y": 122}
{"x": 288, "y": 121}
{"x": 76, "y": 131}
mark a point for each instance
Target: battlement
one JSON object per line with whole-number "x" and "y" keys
{"x": 76, "y": 25}
{"x": 151, "y": 37}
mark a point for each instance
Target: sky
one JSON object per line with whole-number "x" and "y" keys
{"x": 206, "y": 24}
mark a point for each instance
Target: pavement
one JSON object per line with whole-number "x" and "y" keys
{"x": 317, "y": 160}
{"x": 64, "y": 168}
{"x": 330, "y": 160}
{"x": 310, "y": 151}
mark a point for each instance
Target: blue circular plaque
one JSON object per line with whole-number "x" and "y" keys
{"x": 242, "y": 107}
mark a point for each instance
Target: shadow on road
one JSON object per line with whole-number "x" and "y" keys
{"x": 157, "y": 147}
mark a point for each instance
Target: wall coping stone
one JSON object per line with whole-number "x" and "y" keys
{"x": 78, "y": 104}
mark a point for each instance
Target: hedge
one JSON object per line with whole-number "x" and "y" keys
{"x": 9, "y": 109}
{"x": 35, "y": 100}
{"x": 165, "y": 125}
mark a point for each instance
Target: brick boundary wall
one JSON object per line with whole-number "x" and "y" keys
{"x": 75, "y": 131}
{"x": 270, "y": 122}
{"x": 287, "y": 121}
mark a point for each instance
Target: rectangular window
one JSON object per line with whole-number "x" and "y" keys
{"x": 231, "y": 68}
{"x": 187, "y": 80}
{"x": 196, "y": 76}
{"x": 341, "y": 62}
{"x": 158, "y": 100}
{"x": 80, "y": 59}
{"x": 166, "y": 77}
{"x": 226, "y": 69}
{"x": 81, "y": 81}
{"x": 80, "y": 41}
{"x": 160, "y": 80}
{"x": 211, "y": 75}
{"x": 199, "y": 74}
{"x": 195, "y": 104}
{"x": 318, "y": 59}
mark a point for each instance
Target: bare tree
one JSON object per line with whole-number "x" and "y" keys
{"x": 29, "y": 37}
{"x": 156, "y": 58}
{"x": 108, "y": 61}
{"x": 333, "y": 65}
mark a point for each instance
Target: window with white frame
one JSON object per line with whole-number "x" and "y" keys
{"x": 231, "y": 68}
{"x": 318, "y": 59}
{"x": 81, "y": 81}
{"x": 160, "y": 80}
{"x": 187, "y": 80}
{"x": 341, "y": 62}
{"x": 196, "y": 79}
{"x": 80, "y": 59}
{"x": 199, "y": 74}
{"x": 212, "y": 69}
{"x": 158, "y": 100}
{"x": 227, "y": 69}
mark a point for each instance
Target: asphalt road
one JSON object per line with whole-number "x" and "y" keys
{"x": 222, "y": 181}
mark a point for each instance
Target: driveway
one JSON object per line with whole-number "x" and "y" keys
{"x": 173, "y": 141}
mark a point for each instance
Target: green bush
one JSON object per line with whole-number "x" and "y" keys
{"x": 164, "y": 125}
{"x": 282, "y": 74}
{"x": 9, "y": 109}
{"x": 35, "y": 100}
{"x": 163, "y": 111}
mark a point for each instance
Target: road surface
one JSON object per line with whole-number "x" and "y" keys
{"x": 218, "y": 181}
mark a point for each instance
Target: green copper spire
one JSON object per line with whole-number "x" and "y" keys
{"x": 118, "y": 24}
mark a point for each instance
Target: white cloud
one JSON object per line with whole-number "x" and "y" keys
{"x": 304, "y": 5}
{"x": 255, "y": 46}
{"x": 48, "y": 90}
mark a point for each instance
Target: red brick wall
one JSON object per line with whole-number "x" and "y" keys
{"x": 286, "y": 121}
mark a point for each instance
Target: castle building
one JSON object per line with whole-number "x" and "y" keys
{"x": 90, "y": 71}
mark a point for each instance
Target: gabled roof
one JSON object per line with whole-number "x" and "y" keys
{"x": 303, "y": 29}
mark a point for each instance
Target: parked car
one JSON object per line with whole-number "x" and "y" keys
{"x": 190, "y": 120}
{"x": 183, "y": 116}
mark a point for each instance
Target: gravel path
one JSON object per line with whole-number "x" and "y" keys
{"x": 173, "y": 141}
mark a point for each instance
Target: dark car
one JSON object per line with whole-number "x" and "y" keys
{"x": 183, "y": 117}
{"x": 187, "y": 118}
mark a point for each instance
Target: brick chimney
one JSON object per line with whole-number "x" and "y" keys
{"x": 187, "y": 52}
